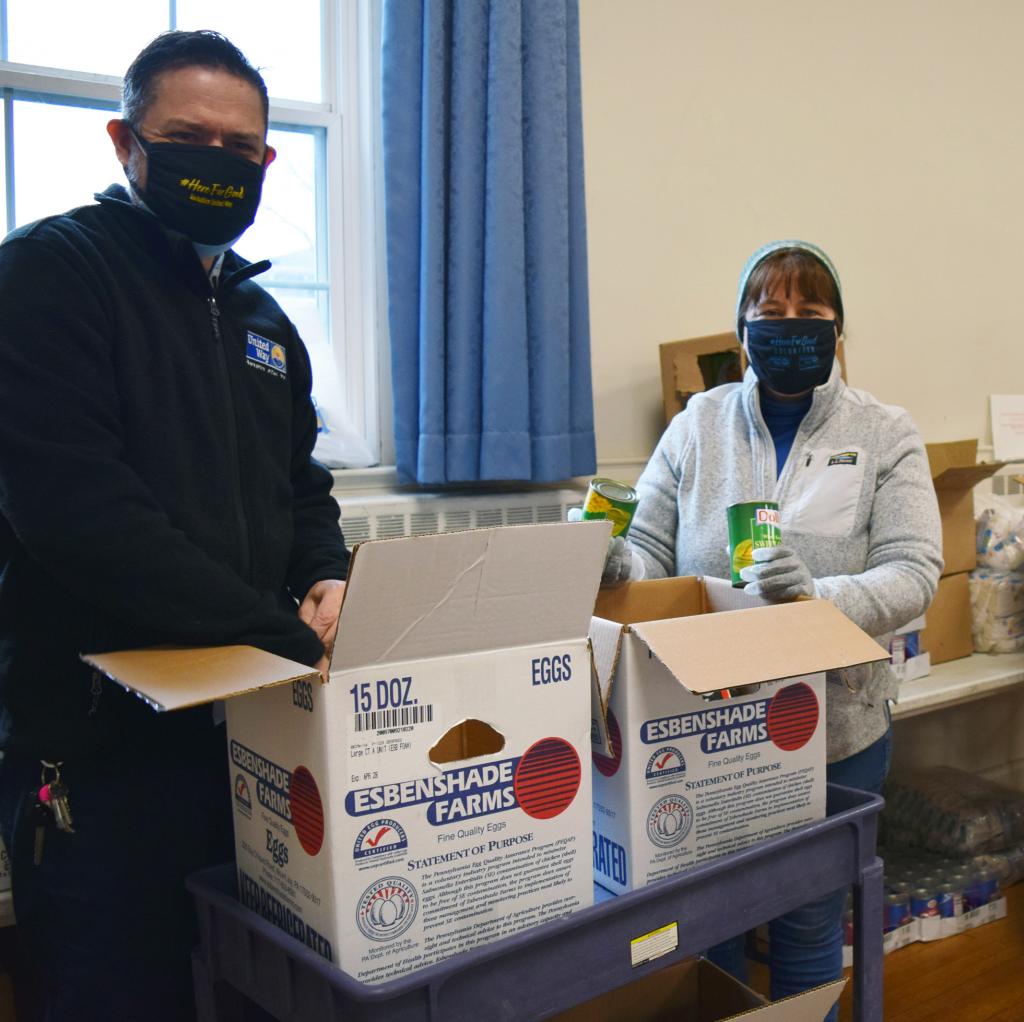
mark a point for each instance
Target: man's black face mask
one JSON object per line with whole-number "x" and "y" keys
{"x": 205, "y": 192}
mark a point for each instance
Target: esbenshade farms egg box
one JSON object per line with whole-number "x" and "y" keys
{"x": 435, "y": 795}
{"x": 709, "y": 721}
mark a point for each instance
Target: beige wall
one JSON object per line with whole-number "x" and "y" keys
{"x": 890, "y": 133}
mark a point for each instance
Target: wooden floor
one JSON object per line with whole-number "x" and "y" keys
{"x": 977, "y": 976}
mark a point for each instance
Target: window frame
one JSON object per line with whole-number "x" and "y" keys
{"x": 350, "y": 225}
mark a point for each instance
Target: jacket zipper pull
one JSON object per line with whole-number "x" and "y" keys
{"x": 215, "y": 317}
{"x": 807, "y": 463}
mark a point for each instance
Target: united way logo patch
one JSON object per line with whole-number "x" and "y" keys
{"x": 267, "y": 356}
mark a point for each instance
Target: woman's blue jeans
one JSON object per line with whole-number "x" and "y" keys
{"x": 807, "y": 943}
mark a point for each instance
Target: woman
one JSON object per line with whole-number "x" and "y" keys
{"x": 859, "y": 522}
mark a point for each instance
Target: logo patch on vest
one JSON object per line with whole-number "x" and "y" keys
{"x": 846, "y": 458}
{"x": 267, "y": 356}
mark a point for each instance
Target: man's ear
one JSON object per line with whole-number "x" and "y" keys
{"x": 269, "y": 156}
{"x": 121, "y": 135}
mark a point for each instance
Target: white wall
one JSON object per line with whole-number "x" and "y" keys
{"x": 890, "y": 133}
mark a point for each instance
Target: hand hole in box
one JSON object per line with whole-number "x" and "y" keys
{"x": 469, "y": 739}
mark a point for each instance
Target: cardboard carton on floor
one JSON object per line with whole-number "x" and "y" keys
{"x": 955, "y": 473}
{"x": 681, "y": 778}
{"x": 947, "y": 634}
{"x": 436, "y": 793}
{"x": 697, "y": 990}
{"x": 935, "y": 928}
{"x": 699, "y": 363}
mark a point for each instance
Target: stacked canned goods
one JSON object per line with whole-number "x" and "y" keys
{"x": 920, "y": 886}
{"x": 935, "y": 886}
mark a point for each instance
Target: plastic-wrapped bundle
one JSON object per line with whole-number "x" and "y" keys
{"x": 1000, "y": 536}
{"x": 1007, "y": 865}
{"x": 997, "y": 610}
{"x": 951, "y": 812}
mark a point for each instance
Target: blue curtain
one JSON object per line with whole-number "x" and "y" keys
{"x": 486, "y": 240}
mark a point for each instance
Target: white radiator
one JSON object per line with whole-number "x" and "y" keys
{"x": 419, "y": 514}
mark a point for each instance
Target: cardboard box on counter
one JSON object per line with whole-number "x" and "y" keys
{"x": 681, "y": 778}
{"x": 909, "y": 661}
{"x": 697, "y": 990}
{"x": 955, "y": 473}
{"x": 947, "y": 632}
{"x": 699, "y": 363}
{"x": 436, "y": 793}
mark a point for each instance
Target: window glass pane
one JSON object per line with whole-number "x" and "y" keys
{"x": 308, "y": 310}
{"x": 102, "y": 38}
{"x": 286, "y": 225}
{"x": 283, "y": 41}
{"x": 62, "y": 156}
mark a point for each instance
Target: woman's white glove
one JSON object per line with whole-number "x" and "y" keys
{"x": 621, "y": 563}
{"x": 777, "y": 574}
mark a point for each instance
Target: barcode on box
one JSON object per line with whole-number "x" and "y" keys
{"x": 383, "y": 720}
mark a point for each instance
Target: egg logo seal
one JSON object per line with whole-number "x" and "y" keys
{"x": 669, "y": 821}
{"x": 667, "y": 764}
{"x": 387, "y": 909}
{"x": 243, "y": 800}
{"x": 379, "y": 838}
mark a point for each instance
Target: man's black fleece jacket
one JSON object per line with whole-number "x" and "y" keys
{"x": 156, "y": 478}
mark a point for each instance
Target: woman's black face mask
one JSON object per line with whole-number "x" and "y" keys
{"x": 205, "y": 192}
{"x": 791, "y": 356}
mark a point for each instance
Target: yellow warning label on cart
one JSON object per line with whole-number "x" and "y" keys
{"x": 654, "y": 944}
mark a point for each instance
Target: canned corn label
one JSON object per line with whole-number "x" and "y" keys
{"x": 753, "y": 525}
{"x": 608, "y": 498}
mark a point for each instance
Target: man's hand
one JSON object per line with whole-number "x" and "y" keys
{"x": 320, "y": 611}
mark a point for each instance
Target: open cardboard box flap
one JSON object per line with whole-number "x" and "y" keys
{"x": 739, "y": 644}
{"x": 810, "y": 1006}
{"x": 173, "y": 679}
{"x": 406, "y": 599}
{"x": 954, "y": 465}
{"x": 463, "y": 592}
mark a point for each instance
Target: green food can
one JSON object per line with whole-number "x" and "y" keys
{"x": 608, "y": 498}
{"x": 752, "y": 526}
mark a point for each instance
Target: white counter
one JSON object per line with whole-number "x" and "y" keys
{"x": 960, "y": 681}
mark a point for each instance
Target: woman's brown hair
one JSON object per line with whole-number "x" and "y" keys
{"x": 790, "y": 268}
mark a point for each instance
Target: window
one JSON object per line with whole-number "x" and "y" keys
{"x": 317, "y": 220}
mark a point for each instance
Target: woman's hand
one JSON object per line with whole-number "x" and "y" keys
{"x": 778, "y": 574}
{"x": 620, "y": 563}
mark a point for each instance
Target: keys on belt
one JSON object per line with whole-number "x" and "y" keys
{"x": 52, "y": 807}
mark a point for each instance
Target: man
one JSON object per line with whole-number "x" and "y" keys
{"x": 156, "y": 487}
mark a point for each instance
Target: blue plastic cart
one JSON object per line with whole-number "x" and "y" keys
{"x": 540, "y": 972}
